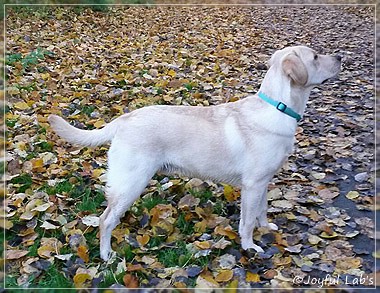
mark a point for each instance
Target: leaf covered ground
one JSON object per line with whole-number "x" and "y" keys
{"x": 90, "y": 66}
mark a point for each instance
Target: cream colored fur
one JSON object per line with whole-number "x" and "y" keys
{"x": 242, "y": 143}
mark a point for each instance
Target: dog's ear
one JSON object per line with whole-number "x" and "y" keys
{"x": 295, "y": 69}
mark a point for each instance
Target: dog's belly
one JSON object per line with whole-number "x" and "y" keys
{"x": 230, "y": 177}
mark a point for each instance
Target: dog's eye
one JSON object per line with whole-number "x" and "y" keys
{"x": 315, "y": 57}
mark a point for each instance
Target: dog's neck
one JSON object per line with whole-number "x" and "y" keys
{"x": 285, "y": 91}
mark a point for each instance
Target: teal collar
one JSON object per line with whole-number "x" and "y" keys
{"x": 280, "y": 106}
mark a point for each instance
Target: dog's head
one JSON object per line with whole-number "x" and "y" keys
{"x": 304, "y": 66}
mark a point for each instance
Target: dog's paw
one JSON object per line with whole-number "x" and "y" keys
{"x": 252, "y": 246}
{"x": 252, "y": 251}
{"x": 273, "y": 226}
{"x": 108, "y": 255}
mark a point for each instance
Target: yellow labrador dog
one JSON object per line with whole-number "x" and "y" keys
{"x": 242, "y": 143}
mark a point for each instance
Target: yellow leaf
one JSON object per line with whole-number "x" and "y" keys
{"x": 326, "y": 235}
{"x": 100, "y": 123}
{"x": 79, "y": 279}
{"x": 45, "y": 251}
{"x": 202, "y": 244}
{"x": 206, "y": 280}
{"x": 251, "y": 277}
{"x": 83, "y": 253}
{"x": 172, "y": 73}
{"x": 45, "y": 76}
{"x": 21, "y": 106}
{"x": 230, "y": 193}
{"x": 168, "y": 98}
{"x": 224, "y": 276}
{"x": 232, "y": 287}
{"x": 352, "y": 195}
{"x": 120, "y": 234}
{"x": 97, "y": 172}
{"x": 37, "y": 163}
{"x": 226, "y": 231}
{"x": 143, "y": 239}
{"x": 200, "y": 227}
{"x": 6, "y": 224}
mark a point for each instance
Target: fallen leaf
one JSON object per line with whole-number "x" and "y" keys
{"x": 202, "y": 244}
{"x": 329, "y": 235}
{"x": 80, "y": 279}
{"x": 226, "y": 231}
{"x": 130, "y": 281}
{"x": 313, "y": 239}
{"x": 352, "y": 195}
{"x": 83, "y": 253}
{"x": 227, "y": 261}
{"x": 224, "y": 276}
{"x": 91, "y": 220}
{"x": 21, "y": 106}
{"x": 230, "y": 193}
{"x": 48, "y": 226}
{"x": 252, "y": 277}
{"x": 15, "y": 254}
{"x": 143, "y": 239}
{"x": 188, "y": 201}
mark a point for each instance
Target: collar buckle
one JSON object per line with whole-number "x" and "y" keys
{"x": 281, "y": 107}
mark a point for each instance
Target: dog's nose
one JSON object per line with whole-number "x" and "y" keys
{"x": 338, "y": 57}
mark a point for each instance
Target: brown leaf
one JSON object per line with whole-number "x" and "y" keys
{"x": 226, "y": 231}
{"x": 15, "y": 254}
{"x": 132, "y": 268}
{"x": 130, "y": 281}
{"x": 143, "y": 239}
{"x": 82, "y": 252}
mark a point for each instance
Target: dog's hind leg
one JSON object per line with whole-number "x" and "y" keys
{"x": 263, "y": 218}
{"x": 125, "y": 184}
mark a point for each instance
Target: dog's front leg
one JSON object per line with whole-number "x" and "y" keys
{"x": 251, "y": 208}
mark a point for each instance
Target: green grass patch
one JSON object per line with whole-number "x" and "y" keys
{"x": 128, "y": 253}
{"x": 28, "y": 88}
{"x": 90, "y": 201}
{"x": 27, "y": 62}
{"x": 178, "y": 256}
{"x": 86, "y": 199}
{"x": 11, "y": 122}
{"x": 109, "y": 278}
{"x": 60, "y": 188}
{"x": 33, "y": 249}
{"x": 185, "y": 226}
{"x": 149, "y": 201}
{"x": 93, "y": 243}
{"x": 43, "y": 146}
{"x": 88, "y": 109}
{"x": 204, "y": 195}
{"x": 156, "y": 241}
{"x": 22, "y": 182}
{"x": 54, "y": 279}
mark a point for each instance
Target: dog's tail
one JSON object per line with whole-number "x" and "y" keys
{"x": 83, "y": 137}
